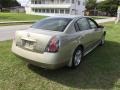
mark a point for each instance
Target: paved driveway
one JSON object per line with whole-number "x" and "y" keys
{"x": 106, "y": 20}
{"x": 7, "y": 32}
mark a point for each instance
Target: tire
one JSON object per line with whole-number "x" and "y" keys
{"x": 102, "y": 42}
{"x": 77, "y": 57}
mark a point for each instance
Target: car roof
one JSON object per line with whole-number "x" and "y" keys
{"x": 68, "y": 16}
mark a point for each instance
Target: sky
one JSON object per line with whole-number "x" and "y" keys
{"x": 23, "y": 2}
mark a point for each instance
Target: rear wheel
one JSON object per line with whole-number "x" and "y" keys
{"x": 77, "y": 58}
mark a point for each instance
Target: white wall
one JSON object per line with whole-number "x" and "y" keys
{"x": 75, "y": 9}
{"x": 78, "y": 7}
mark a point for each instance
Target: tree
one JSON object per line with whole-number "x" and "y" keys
{"x": 8, "y": 3}
{"x": 0, "y": 7}
{"x": 91, "y": 4}
{"x": 109, "y": 6}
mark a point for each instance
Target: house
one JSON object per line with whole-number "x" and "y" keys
{"x": 19, "y": 9}
{"x": 55, "y": 7}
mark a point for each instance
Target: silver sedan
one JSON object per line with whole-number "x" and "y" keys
{"x": 58, "y": 41}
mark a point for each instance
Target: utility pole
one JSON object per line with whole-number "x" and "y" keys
{"x": 118, "y": 13}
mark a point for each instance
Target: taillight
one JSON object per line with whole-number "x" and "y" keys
{"x": 53, "y": 45}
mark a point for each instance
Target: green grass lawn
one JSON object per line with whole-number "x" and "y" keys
{"x": 26, "y": 17}
{"x": 18, "y": 17}
{"x": 12, "y": 24}
{"x": 100, "y": 69}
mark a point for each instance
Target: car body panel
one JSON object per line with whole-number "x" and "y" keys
{"x": 37, "y": 40}
{"x": 40, "y": 38}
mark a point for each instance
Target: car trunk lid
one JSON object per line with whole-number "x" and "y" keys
{"x": 34, "y": 39}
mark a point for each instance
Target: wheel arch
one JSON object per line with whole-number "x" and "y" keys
{"x": 78, "y": 46}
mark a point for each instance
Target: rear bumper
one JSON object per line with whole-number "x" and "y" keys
{"x": 44, "y": 60}
{"x": 47, "y": 66}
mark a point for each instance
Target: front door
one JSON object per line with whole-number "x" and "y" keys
{"x": 84, "y": 30}
{"x": 97, "y": 32}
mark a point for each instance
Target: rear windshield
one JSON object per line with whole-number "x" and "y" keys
{"x": 53, "y": 24}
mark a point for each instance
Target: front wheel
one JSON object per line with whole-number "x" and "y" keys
{"x": 102, "y": 42}
{"x": 77, "y": 58}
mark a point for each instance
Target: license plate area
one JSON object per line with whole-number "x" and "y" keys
{"x": 28, "y": 44}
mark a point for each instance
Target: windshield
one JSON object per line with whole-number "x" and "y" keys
{"x": 53, "y": 24}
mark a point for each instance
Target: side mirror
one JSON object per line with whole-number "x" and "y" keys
{"x": 100, "y": 26}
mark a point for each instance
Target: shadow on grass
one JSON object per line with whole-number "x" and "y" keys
{"x": 99, "y": 70}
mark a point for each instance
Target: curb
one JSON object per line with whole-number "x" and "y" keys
{"x": 9, "y": 22}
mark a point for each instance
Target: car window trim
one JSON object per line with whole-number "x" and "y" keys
{"x": 66, "y": 25}
{"x": 77, "y": 29}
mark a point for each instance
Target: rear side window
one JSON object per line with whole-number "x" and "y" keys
{"x": 53, "y": 24}
{"x": 82, "y": 24}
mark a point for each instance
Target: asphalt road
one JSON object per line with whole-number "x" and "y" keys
{"x": 7, "y": 32}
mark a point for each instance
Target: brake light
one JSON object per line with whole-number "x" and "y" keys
{"x": 53, "y": 45}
